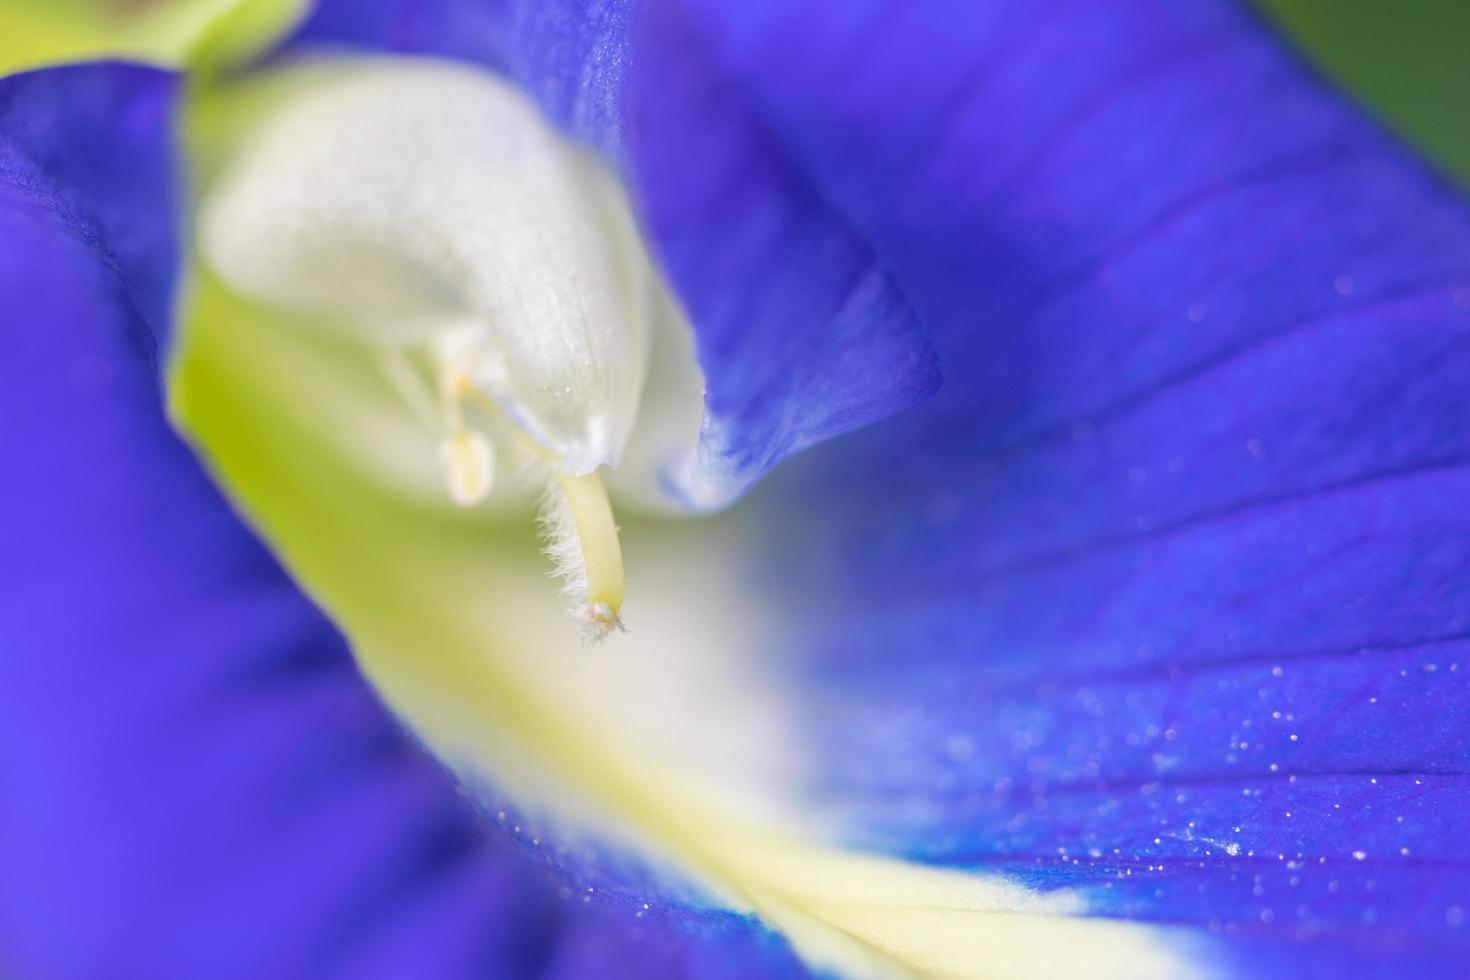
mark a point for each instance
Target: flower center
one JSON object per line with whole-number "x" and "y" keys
{"x": 430, "y": 211}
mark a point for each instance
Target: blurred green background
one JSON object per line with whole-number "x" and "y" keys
{"x": 1409, "y": 60}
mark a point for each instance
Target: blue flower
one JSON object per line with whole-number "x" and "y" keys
{"x": 1136, "y": 647}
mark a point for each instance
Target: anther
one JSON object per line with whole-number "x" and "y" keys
{"x": 469, "y": 466}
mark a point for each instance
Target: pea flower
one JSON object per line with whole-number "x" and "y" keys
{"x": 1133, "y": 647}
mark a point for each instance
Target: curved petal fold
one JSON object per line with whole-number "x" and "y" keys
{"x": 800, "y": 331}
{"x": 93, "y": 151}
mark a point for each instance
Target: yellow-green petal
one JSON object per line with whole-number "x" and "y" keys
{"x": 182, "y": 34}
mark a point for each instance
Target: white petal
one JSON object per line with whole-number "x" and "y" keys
{"x": 416, "y": 200}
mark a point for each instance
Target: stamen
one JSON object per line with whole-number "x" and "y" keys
{"x": 468, "y": 460}
{"x": 469, "y": 466}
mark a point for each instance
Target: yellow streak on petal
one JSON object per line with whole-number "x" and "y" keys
{"x": 185, "y": 34}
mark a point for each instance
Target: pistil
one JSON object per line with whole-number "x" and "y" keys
{"x": 599, "y": 583}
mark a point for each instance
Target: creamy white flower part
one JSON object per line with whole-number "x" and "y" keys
{"x": 428, "y": 208}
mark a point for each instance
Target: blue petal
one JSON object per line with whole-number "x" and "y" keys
{"x": 1197, "y": 480}
{"x": 1205, "y": 334}
{"x": 801, "y": 333}
{"x": 197, "y": 779}
{"x": 80, "y": 159}
{"x": 1165, "y": 595}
